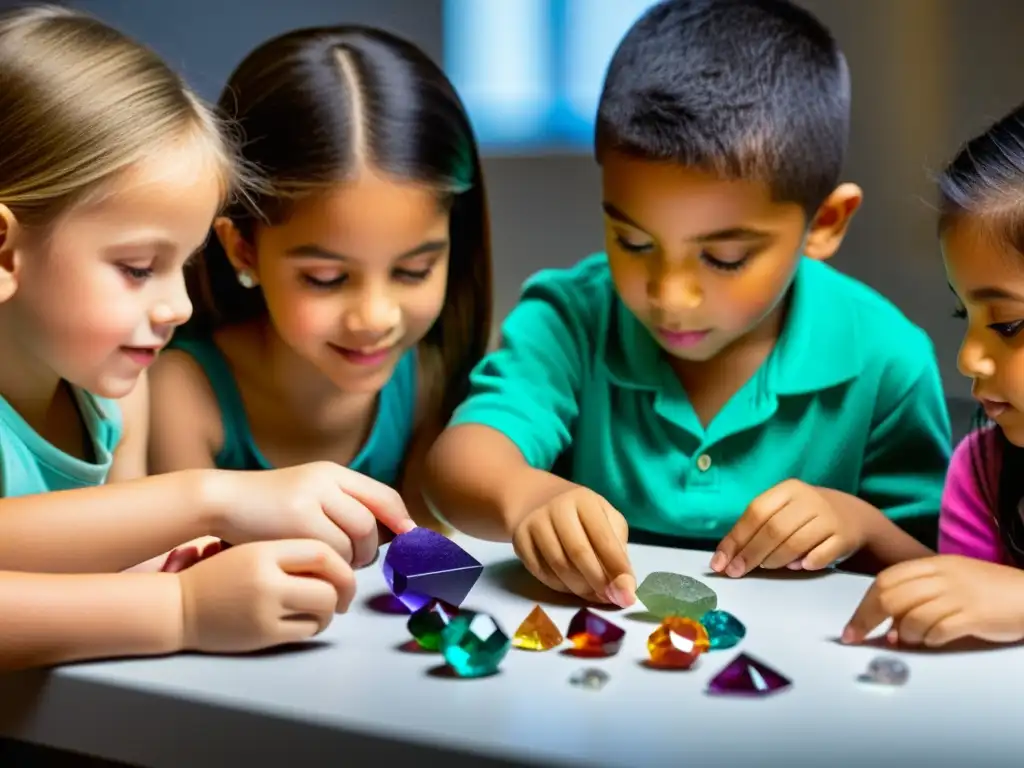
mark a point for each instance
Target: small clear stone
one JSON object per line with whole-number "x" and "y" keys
{"x": 590, "y": 678}
{"x": 887, "y": 670}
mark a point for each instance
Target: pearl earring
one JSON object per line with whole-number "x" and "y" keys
{"x": 246, "y": 279}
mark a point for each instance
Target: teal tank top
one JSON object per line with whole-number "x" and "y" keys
{"x": 30, "y": 465}
{"x": 382, "y": 454}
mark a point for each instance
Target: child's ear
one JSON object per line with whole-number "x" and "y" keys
{"x": 831, "y": 222}
{"x": 239, "y": 251}
{"x": 9, "y": 258}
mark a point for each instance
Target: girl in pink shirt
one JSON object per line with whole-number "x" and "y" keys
{"x": 974, "y": 587}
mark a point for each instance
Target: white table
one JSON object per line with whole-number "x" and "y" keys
{"x": 357, "y": 700}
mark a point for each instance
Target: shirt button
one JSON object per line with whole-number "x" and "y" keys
{"x": 704, "y": 462}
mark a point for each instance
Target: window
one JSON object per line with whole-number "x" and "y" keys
{"x": 530, "y": 71}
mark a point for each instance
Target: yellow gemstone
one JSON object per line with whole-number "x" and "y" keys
{"x": 537, "y": 632}
{"x": 677, "y": 643}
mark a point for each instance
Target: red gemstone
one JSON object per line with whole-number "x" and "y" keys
{"x": 593, "y": 635}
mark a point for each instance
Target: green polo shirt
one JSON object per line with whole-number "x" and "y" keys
{"x": 849, "y": 399}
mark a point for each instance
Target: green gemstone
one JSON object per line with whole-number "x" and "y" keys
{"x": 724, "y": 629}
{"x": 473, "y": 644}
{"x": 428, "y": 622}
{"x": 672, "y": 594}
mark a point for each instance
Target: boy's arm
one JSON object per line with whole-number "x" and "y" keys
{"x": 490, "y": 466}
{"x": 51, "y": 619}
{"x": 906, "y": 458}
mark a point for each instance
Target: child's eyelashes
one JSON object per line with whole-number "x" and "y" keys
{"x": 402, "y": 275}
{"x": 1008, "y": 330}
{"x": 728, "y": 266}
{"x": 413, "y": 275}
{"x": 138, "y": 274}
{"x": 631, "y": 247}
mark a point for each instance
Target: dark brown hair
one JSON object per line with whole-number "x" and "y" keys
{"x": 312, "y": 105}
{"x": 985, "y": 182}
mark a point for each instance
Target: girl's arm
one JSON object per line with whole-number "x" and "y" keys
{"x": 50, "y": 619}
{"x": 185, "y": 429}
{"x": 110, "y": 527}
{"x": 130, "y": 455}
{"x": 131, "y": 458}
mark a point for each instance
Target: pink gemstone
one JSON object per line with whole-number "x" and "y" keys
{"x": 746, "y": 676}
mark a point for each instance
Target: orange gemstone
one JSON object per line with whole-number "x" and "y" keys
{"x": 677, "y": 643}
{"x": 537, "y": 632}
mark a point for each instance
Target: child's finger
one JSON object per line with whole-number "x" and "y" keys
{"x": 808, "y": 538}
{"x": 883, "y": 601}
{"x": 824, "y": 554}
{"x": 870, "y": 612}
{"x": 526, "y": 549}
{"x": 918, "y": 621}
{"x": 946, "y": 630}
{"x": 756, "y": 515}
{"x": 550, "y": 548}
{"x": 776, "y": 530}
{"x": 572, "y": 535}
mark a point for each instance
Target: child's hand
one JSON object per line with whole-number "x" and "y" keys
{"x": 577, "y": 543}
{"x": 258, "y": 595}
{"x": 936, "y": 600}
{"x": 321, "y": 501}
{"x": 792, "y": 524}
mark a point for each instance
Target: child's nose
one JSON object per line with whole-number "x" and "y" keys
{"x": 675, "y": 291}
{"x": 973, "y": 361}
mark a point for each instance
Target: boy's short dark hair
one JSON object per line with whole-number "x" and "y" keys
{"x": 749, "y": 89}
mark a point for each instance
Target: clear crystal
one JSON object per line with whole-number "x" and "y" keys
{"x": 590, "y": 678}
{"x": 886, "y": 670}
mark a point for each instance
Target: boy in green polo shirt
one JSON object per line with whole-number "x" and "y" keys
{"x": 709, "y": 378}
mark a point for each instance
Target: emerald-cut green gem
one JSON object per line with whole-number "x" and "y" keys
{"x": 724, "y": 629}
{"x": 473, "y": 644}
{"x": 672, "y": 594}
{"x": 428, "y": 622}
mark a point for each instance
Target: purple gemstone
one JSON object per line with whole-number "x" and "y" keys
{"x": 746, "y": 676}
{"x": 423, "y": 564}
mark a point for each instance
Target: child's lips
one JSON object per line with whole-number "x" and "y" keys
{"x": 994, "y": 408}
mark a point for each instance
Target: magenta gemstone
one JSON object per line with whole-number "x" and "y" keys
{"x": 746, "y": 676}
{"x": 423, "y": 564}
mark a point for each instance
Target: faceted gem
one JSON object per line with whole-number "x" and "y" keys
{"x": 746, "y": 676}
{"x": 593, "y": 635}
{"x": 672, "y": 594}
{"x": 677, "y": 643}
{"x": 724, "y": 629}
{"x": 473, "y": 644}
{"x": 886, "y": 670}
{"x": 590, "y": 678}
{"x": 424, "y": 564}
{"x": 428, "y": 622}
{"x": 537, "y": 632}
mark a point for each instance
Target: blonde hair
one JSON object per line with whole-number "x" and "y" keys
{"x": 80, "y": 103}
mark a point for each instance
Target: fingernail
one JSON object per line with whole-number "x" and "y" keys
{"x": 621, "y": 591}
{"x": 848, "y": 635}
{"x": 718, "y": 561}
{"x": 892, "y": 637}
{"x": 796, "y": 565}
{"x": 736, "y": 567}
